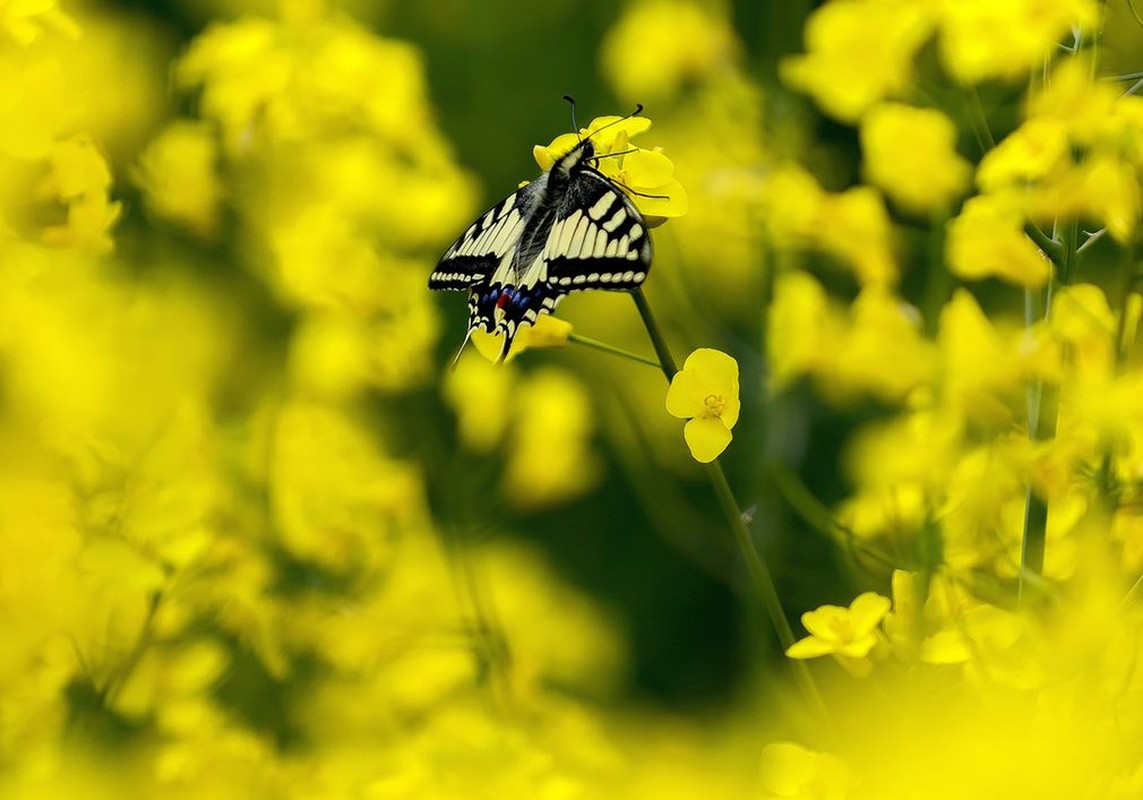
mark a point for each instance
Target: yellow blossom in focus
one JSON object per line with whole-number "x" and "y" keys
{"x": 657, "y": 47}
{"x": 705, "y": 393}
{"x": 987, "y": 239}
{"x": 548, "y": 332}
{"x": 177, "y": 173}
{"x": 648, "y": 175}
{"x": 910, "y": 154}
{"x": 789, "y": 770}
{"x": 858, "y": 53}
{"x": 847, "y": 634}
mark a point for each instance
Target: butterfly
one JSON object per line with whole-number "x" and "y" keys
{"x": 569, "y": 230}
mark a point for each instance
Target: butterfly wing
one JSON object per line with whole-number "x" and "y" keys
{"x": 474, "y": 257}
{"x": 599, "y": 240}
{"x": 590, "y": 237}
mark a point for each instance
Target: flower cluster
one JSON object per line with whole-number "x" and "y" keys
{"x": 994, "y": 489}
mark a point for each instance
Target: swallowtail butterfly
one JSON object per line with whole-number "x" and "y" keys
{"x": 569, "y": 230}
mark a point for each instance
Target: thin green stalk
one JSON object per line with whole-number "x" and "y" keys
{"x": 756, "y": 567}
{"x": 803, "y": 502}
{"x": 939, "y": 283}
{"x": 1053, "y": 249}
{"x": 1042, "y": 427}
{"x": 666, "y": 360}
{"x": 615, "y": 351}
{"x": 979, "y": 122}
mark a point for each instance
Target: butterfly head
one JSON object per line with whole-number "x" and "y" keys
{"x": 582, "y": 153}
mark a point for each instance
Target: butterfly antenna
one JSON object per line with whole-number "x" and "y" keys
{"x": 575, "y": 127}
{"x": 638, "y": 110}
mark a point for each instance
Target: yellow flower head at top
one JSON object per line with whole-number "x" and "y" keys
{"x": 705, "y": 392}
{"x": 647, "y": 176}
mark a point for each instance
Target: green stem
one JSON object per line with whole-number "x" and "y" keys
{"x": 939, "y": 283}
{"x": 807, "y": 506}
{"x": 666, "y": 360}
{"x": 615, "y": 351}
{"x": 756, "y": 567}
{"x": 979, "y": 121}
{"x": 1042, "y": 418}
{"x": 1053, "y": 249}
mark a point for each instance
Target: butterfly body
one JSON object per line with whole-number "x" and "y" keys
{"x": 570, "y": 230}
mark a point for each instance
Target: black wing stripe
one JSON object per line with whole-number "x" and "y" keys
{"x": 475, "y": 255}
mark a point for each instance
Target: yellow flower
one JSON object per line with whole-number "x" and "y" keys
{"x": 80, "y": 179}
{"x": 548, "y": 331}
{"x": 550, "y": 456}
{"x": 24, "y": 21}
{"x": 789, "y": 770}
{"x": 852, "y": 226}
{"x": 987, "y": 239}
{"x": 847, "y": 634}
{"x": 803, "y": 328}
{"x": 859, "y": 52}
{"x": 1006, "y": 38}
{"x": 927, "y": 174}
{"x": 481, "y": 396}
{"x": 648, "y": 176}
{"x": 705, "y": 392}
{"x": 178, "y": 178}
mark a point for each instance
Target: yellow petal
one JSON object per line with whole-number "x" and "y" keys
{"x": 648, "y": 168}
{"x": 866, "y": 611}
{"x": 670, "y": 200}
{"x": 616, "y": 130}
{"x": 684, "y": 397}
{"x": 706, "y": 438}
{"x": 810, "y": 647}
{"x": 714, "y": 370}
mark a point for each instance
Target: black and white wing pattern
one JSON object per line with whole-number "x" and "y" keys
{"x": 571, "y": 229}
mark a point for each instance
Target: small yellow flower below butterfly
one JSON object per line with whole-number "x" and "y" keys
{"x": 705, "y": 392}
{"x": 548, "y": 332}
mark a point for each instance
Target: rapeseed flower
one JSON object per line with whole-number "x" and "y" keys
{"x": 646, "y": 175}
{"x": 178, "y": 175}
{"x": 842, "y": 72}
{"x": 923, "y": 176}
{"x": 658, "y": 48}
{"x": 705, "y": 393}
{"x": 847, "y": 634}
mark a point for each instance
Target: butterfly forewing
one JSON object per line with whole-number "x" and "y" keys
{"x": 473, "y": 257}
